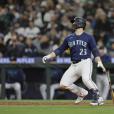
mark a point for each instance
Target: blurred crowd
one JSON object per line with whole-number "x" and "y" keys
{"x": 33, "y": 28}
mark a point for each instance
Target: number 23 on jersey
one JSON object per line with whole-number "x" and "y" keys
{"x": 83, "y": 51}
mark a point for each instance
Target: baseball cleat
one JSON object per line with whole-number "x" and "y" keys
{"x": 80, "y": 98}
{"x": 100, "y": 101}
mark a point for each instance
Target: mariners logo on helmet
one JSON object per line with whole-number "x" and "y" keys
{"x": 79, "y": 22}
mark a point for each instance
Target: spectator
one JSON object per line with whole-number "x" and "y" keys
{"x": 45, "y": 46}
{"x": 24, "y": 20}
{"x": 30, "y": 50}
{"x": 89, "y": 28}
{"x": 36, "y": 41}
{"x": 79, "y": 8}
{"x": 2, "y": 46}
{"x": 9, "y": 35}
{"x": 20, "y": 30}
{"x": 31, "y": 31}
{"x": 111, "y": 18}
{"x": 14, "y": 49}
{"x": 102, "y": 25}
{"x": 89, "y": 9}
{"x": 65, "y": 21}
{"x": 110, "y": 44}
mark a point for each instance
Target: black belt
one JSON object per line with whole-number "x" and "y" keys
{"x": 77, "y": 61}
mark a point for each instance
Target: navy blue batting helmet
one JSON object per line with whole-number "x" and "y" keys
{"x": 79, "y": 22}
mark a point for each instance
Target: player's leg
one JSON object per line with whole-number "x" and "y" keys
{"x": 53, "y": 87}
{"x": 87, "y": 73}
{"x": 105, "y": 90}
{"x": 43, "y": 88}
{"x": 99, "y": 83}
{"x": 86, "y": 78}
{"x": 8, "y": 85}
{"x": 68, "y": 79}
{"x": 17, "y": 88}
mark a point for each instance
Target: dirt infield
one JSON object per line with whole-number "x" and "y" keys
{"x": 47, "y": 103}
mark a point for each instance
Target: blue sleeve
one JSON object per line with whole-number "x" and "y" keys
{"x": 93, "y": 47}
{"x": 62, "y": 48}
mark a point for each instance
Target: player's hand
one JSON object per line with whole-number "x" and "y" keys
{"x": 45, "y": 59}
{"x": 100, "y": 65}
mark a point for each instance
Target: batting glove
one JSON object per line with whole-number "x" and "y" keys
{"x": 100, "y": 65}
{"x": 45, "y": 59}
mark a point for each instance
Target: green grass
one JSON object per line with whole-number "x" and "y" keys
{"x": 56, "y": 109}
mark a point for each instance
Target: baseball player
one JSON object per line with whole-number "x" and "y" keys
{"x": 82, "y": 46}
{"x": 101, "y": 78}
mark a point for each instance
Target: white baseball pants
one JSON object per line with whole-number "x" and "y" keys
{"x": 82, "y": 69}
{"x": 103, "y": 85}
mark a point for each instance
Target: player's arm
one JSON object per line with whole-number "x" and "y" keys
{"x": 95, "y": 52}
{"x": 56, "y": 52}
{"x": 99, "y": 63}
{"x": 49, "y": 56}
